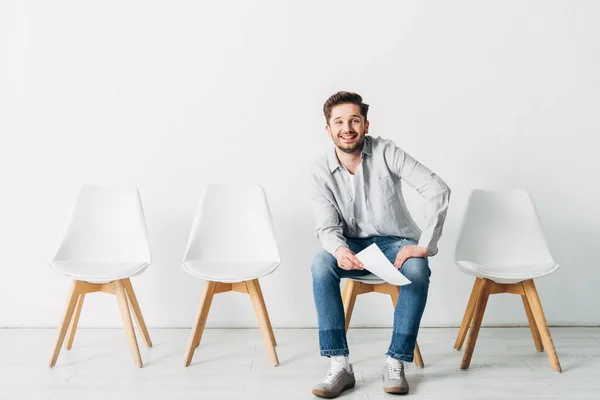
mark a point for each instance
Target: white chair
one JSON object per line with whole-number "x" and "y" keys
{"x": 105, "y": 243}
{"x": 367, "y": 284}
{"x": 502, "y": 244}
{"x": 231, "y": 245}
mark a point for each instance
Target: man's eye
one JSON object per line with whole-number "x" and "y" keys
{"x": 338, "y": 122}
{"x": 355, "y": 121}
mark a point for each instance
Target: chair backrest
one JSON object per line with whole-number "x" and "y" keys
{"x": 107, "y": 225}
{"x": 233, "y": 224}
{"x": 502, "y": 228}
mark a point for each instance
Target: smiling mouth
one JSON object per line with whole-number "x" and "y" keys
{"x": 348, "y": 137}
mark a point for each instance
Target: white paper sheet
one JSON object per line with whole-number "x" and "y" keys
{"x": 377, "y": 263}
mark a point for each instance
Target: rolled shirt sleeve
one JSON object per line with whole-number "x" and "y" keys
{"x": 329, "y": 228}
{"x": 429, "y": 186}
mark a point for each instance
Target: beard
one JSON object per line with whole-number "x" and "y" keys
{"x": 353, "y": 147}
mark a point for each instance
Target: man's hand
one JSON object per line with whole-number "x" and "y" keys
{"x": 410, "y": 251}
{"x": 346, "y": 259}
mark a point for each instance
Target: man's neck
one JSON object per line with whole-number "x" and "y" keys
{"x": 349, "y": 160}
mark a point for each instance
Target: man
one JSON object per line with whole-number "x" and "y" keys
{"x": 357, "y": 200}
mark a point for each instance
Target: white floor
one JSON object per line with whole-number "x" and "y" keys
{"x": 233, "y": 364}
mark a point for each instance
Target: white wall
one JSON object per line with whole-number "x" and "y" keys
{"x": 171, "y": 96}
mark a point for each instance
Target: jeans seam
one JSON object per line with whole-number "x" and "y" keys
{"x": 335, "y": 352}
{"x": 400, "y": 356}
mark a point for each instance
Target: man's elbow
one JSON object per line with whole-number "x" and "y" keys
{"x": 444, "y": 189}
{"x": 447, "y": 191}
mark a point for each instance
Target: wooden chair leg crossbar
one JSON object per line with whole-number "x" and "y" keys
{"x": 482, "y": 289}
{"x": 353, "y": 288}
{"x": 127, "y": 301}
{"x": 252, "y": 288}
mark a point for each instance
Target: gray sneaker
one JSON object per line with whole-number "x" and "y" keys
{"x": 394, "y": 380}
{"x": 336, "y": 381}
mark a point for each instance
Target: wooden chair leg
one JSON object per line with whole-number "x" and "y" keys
{"x": 537, "y": 339}
{"x": 540, "y": 319}
{"x": 71, "y": 304}
{"x": 345, "y": 290}
{"x": 74, "y": 322}
{"x": 466, "y": 321}
{"x": 262, "y": 316}
{"x": 349, "y": 300}
{"x": 269, "y": 326}
{"x": 417, "y": 359}
{"x": 200, "y": 322}
{"x": 127, "y": 322}
{"x": 480, "y": 305}
{"x": 136, "y": 311}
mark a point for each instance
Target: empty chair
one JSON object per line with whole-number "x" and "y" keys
{"x": 105, "y": 243}
{"x": 231, "y": 245}
{"x": 502, "y": 244}
{"x": 367, "y": 284}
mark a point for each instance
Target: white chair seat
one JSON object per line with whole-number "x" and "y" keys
{"x": 507, "y": 273}
{"x": 502, "y": 243}
{"x": 232, "y": 241}
{"x": 370, "y": 279}
{"x": 230, "y": 272}
{"x": 99, "y": 272}
{"x": 105, "y": 243}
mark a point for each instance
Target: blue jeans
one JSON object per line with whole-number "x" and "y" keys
{"x": 328, "y": 300}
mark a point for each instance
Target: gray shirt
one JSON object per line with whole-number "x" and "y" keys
{"x": 385, "y": 167}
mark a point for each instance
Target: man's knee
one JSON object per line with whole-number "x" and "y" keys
{"x": 324, "y": 264}
{"x": 417, "y": 271}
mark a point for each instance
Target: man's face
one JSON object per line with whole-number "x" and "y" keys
{"x": 347, "y": 127}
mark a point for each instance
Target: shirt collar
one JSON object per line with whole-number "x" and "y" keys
{"x": 333, "y": 161}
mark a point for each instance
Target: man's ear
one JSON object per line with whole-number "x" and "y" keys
{"x": 366, "y": 127}
{"x": 328, "y": 129}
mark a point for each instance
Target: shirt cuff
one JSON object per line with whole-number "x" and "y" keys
{"x": 429, "y": 244}
{"x": 331, "y": 244}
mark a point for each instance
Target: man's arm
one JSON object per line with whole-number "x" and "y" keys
{"x": 435, "y": 192}
{"x": 328, "y": 222}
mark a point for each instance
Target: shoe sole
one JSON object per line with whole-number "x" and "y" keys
{"x": 331, "y": 395}
{"x": 394, "y": 390}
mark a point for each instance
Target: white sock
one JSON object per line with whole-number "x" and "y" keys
{"x": 342, "y": 360}
{"x": 393, "y": 361}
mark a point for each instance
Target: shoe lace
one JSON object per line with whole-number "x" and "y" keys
{"x": 395, "y": 369}
{"x": 333, "y": 372}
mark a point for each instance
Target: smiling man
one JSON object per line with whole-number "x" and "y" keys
{"x": 357, "y": 201}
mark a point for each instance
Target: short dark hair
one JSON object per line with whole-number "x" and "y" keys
{"x": 344, "y": 98}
